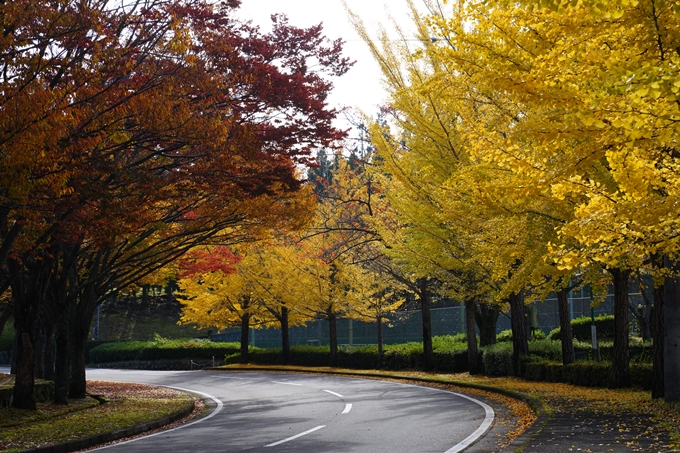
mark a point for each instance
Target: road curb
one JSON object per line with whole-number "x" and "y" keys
{"x": 540, "y": 408}
{"x": 102, "y": 438}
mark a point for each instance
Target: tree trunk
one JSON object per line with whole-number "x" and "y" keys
{"x": 4, "y": 317}
{"x": 658, "y": 343}
{"x": 62, "y": 364}
{"x": 620, "y": 372}
{"x": 566, "y": 334}
{"x": 39, "y": 350}
{"x": 82, "y": 313}
{"x": 333, "y": 337}
{"x": 671, "y": 344}
{"x": 28, "y": 295}
{"x": 520, "y": 340}
{"x": 474, "y": 359}
{"x": 78, "y": 382}
{"x": 425, "y": 303}
{"x": 381, "y": 353}
{"x": 486, "y": 317}
{"x": 245, "y": 327}
{"x": 48, "y": 353}
{"x": 24, "y": 385}
{"x": 285, "y": 338}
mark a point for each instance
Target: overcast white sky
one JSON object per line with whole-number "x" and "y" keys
{"x": 360, "y": 87}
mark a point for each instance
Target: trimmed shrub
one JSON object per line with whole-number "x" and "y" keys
{"x": 128, "y": 351}
{"x": 546, "y": 349}
{"x": 641, "y": 375}
{"x": 503, "y": 336}
{"x": 581, "y": 328}
{"x": 449, "y": 341}
{"x": 406, "y": 356}
{"x": 497, "y": 359}
{"x": 538, "y": 335}
{"x": 584, "y": 373}
{"x": 554, "y": 334}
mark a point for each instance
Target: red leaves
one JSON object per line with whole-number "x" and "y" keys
{"x": 203, "y": 261}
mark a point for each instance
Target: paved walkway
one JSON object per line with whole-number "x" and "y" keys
{"x": 573, "y": 429}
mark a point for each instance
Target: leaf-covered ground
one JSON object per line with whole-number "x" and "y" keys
{"x": 596, "y": 419}
{"x": 126, "y": 405}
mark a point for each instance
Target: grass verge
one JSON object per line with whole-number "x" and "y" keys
{"x": 126, "y": 405}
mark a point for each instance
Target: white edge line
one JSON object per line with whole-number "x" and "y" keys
{"x": 287, "y": 383}
{"x": 296, "y": 436}
{"x": 210, "y": 415}
{"x": 333, "y": 393}
{"x": 479, "y": 432}
{"x": 348, "y": 407}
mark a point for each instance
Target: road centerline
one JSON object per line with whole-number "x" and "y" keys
{"x": 348, "y": 407}
{"x": 334, "y": 393}
{"x": 309, "y": 431}
{"x": 287, "y": 383}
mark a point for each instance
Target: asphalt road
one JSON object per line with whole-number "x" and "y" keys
{"x": 272, "y": 413}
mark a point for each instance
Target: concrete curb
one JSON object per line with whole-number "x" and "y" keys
{"x": 102, "y": 438}
{"x": 542, "y": 411}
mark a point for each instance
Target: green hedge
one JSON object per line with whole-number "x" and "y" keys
{"x": 497, "y": 357}
{"x": 407, "y": 356}
{"x": 127, "y": 351}
{"x": 584, "y": 373}
{"x": 581, "y": 328}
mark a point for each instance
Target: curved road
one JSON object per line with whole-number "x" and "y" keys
{"x": 272, "y": 413}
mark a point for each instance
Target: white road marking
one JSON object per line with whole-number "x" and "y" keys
{"x": 333, "y": 393}
{"x": 296, "y": 436}
{"x": 479, "y": 432}
{"x": 287, "y": 383}
{"x": 210, "y": 415}
{"x": 348, "y": 407}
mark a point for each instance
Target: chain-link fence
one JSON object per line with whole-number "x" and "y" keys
{"x": 406, "y": 326}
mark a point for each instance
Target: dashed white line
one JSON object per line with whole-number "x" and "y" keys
{"x": 348, "y": 407}
{"x": 287, "y": 383}
{"x": 333, "y": 393}
{"x": 296, "y": 436}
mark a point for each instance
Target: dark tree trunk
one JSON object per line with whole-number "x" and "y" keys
{"x": 82, "y": 315}
{"x": 658, "y": 343}
{"x": 381, "y": 354}
{"x": 643, "y": 312}
{"x": 486, "y": 317}
{"x": 425, "y": 303}
{"x": 643, "y": 317}
{"x": 78, "y": 382}
{"x": 285, "y": 338}
{"x": 39, "y": 350}
{"x": 28, "y": 294}
{"x": 4, "y": 317}
{"x": 24, "y": 385}
{"x": 620, "y": 373}
{"x": 474, "y": 359}
{"x": 245, "y": 328}
{"x": 520, "y": 339}
{"x": 62, "y": 364}
{"x": 333, "y": 337}
{"x": 566, "y": 334}
{"x": 671, "y": 345}
{"x": 48, "y": 353}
